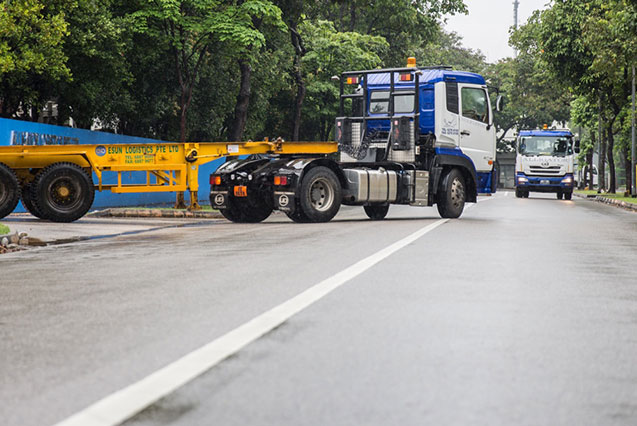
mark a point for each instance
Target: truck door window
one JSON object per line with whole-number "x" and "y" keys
{"x": 379, "y": 102}
{"x": 452, "y": 96}
{"x": 474, "y": 104}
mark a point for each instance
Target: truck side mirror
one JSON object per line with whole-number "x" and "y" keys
{"x": 577, "y": 141}
{"x": 499, "y": 103}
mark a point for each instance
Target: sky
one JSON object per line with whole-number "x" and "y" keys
{"x": 486, "y": 27}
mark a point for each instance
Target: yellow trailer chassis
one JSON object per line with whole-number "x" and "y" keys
{"x": 169, "y": 167}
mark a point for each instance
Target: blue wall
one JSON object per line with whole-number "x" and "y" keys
{"x": 15, "y": 132}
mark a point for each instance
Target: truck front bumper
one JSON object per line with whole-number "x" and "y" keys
{"x": 545, "y": 183}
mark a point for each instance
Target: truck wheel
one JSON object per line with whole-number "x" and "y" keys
{"x": 376, "y": 212}
{"x": 298, "y": 216}
{"x": 526, "y": 194}
{"x": 560, "y": 194}
{"x": 252, "y": 209}
{"x": 451, "y": 195}
{"x": 9, "y": 190}
{"x": 62, "y": 192}
{"x": 28, "y": 203}
{"x": 518, "y": 193}
{"x": 568, "y": 195}
{"x": 320, "y": 194}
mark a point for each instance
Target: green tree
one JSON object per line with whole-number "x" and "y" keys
{"x": 192, "y": 27}
{"x": 330, "y": 52}
{"x": 98, "y": 55}
{"x": 32, "y": 34}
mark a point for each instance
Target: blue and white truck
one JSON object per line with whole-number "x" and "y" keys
{"x": 414, "y": 136}
{"x": 545, "y": 162}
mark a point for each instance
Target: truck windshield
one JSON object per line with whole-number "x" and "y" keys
{"x": 557, "y": 146}
{"x": 379, "y": 102}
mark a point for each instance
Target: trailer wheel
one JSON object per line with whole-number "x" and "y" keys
{"x": 28, "y": 203}
{"x": 320, "y": 194}
{"x": 451, "y": 195}
{"x": 9, "y": 190}
{"x": 62, "y": 192}
{"x": 252, "y": 209}
{"x": 376, "y": 212}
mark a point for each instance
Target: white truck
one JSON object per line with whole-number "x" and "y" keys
{"x": 545, "y": 162}
{"x": 414, "y": 136}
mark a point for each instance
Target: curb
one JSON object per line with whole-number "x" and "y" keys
{"x": 610, "y": 201}
{"x": 156, "y": 213}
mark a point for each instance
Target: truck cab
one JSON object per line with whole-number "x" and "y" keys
{"x": 545, "y": 162}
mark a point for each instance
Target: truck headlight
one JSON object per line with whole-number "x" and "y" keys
{"x": 568, "y": 180}
{"x": 522, "y": 179}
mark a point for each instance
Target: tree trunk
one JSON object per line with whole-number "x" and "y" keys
{"x": 184, "y": 111}
{"x": 300, "y": 83}
{"x": 589, "y": 161}
{"x": 243, "y": 102}
{"x": 601, "y": 161}
{"x": 627, "y": 162}
{"x": 352, "y": 17}
{"x": 612, "y": 185}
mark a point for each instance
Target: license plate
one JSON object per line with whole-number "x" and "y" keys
{"x": 545, "y": 182}
{"x": 240, "y": 191}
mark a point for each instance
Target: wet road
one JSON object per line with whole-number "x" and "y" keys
{"x": 522, "y": 312}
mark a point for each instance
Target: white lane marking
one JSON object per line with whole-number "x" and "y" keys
{"x": 125, "y": 403}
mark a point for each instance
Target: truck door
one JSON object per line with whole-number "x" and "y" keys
{"x": 477, "y": 135}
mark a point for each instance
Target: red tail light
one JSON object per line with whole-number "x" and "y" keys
{"x": 215, "y": 180}
{"x": 280, "y": 180}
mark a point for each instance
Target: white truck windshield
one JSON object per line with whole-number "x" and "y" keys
{"x": 557, "y": 146}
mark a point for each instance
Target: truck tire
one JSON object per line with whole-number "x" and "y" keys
{"x": 568, "y": 195}
{"x": 518, "y": 193}
{"x": 28, "y": 203}
{"x": 376, "y": 212}
{"x": 9, "y": 190}
{"x": 298, "y": 216}
{"x": 62, "y": 192}
{"x": 320, "y": 194}
{"x": 252, "y": 209}
{"x": 451, "y": 195}
{"x": 560, "y": 194}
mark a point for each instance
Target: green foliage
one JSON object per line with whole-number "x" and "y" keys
{"x": 169, "y": 69}
{"x": 32, "y": 34}
{"x": 329, "y": 53}
{"x": 4, "y": 229}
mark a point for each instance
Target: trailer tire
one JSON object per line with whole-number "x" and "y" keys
{"x": 9, "y": 190}
{"x": 376, "y": 212}
{"x": 62, "y": 192}
{"x": 320, "y": 194}
{"x": 451, "y": 195}
{"x": 252, "y": 209}
{"x": 28, "y": 203}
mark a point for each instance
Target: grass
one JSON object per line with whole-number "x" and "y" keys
{"x": 619, "y": 196}
{"x": 4, "y": 229}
